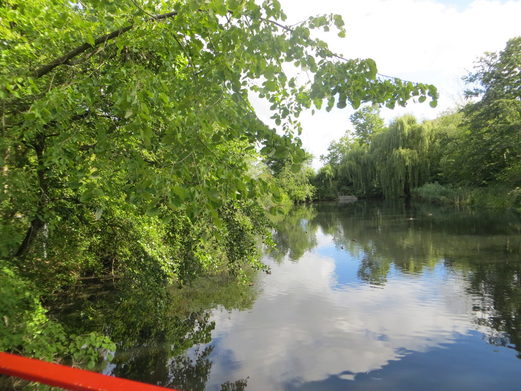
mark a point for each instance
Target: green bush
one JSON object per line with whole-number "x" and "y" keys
{"x": 28, "y": 330}
{"x": 497, "y": 196}
{"x": 443, "y": 194}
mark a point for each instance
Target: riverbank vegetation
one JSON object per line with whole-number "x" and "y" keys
{"x": 130, "y": 153}
{"x": 469, "y": 156}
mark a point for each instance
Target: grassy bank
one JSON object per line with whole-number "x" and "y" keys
{"x": 497, "y": 196}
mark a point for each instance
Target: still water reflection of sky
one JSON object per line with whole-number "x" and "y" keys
{"x": 316, "y": 325}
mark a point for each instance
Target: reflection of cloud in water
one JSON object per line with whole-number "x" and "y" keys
{"x": 323, "y": 240}
{"x": 314, "y": 331}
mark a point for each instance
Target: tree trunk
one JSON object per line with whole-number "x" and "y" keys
{"x": 37, "y": 223}
{"x": 32, "y": 233}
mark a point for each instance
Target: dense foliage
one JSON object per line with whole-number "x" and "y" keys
{"x": 471, "y": 155}
{"x": 130, "y": 150}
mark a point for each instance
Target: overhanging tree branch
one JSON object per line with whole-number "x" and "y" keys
{"x": 291, "y": 29}
{"x": 45, "y": 69}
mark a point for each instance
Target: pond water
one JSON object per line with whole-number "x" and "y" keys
{"x": 362, "y": 296}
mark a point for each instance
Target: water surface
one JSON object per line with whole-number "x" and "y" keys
{"x": 365, "y": 296}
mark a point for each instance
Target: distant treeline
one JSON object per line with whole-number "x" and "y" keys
{"x": 469, "y": 156}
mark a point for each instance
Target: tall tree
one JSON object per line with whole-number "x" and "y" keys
{"x": 402, "y": 156}
{"x": 494, "y": 143}
{"x": 141, "y": 108}
{"x": 367, "y": 122}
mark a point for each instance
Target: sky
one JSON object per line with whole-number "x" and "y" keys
{"x": 428, "y": 41}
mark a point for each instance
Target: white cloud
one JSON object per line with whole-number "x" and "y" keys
{"x": 419, "y": 40}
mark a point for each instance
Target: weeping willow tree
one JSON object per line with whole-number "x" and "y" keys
{"x": 358, "y": 169}
{"x": 391, "y": 162}
{"x": 325, "y": 183}
{"x": 354, "y": 166}
{"x": 401, "y": 156}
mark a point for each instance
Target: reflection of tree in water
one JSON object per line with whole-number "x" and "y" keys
{"x": 416, "y": 238}
{"x": 185, "y": 322}
{"x": 153, "y": 326}
{"x": 295, "y": 234}
{"x": 191, "y": 373}
{"x": 379, "y": 235}
{"x": 149, "y": 361}
{"x": 188, "y": 371}
{"x": 485, "y": 246}
{"x": 499, "y": 286}
{"x": 373, "y": 271}
{"x": 238, "y": 385}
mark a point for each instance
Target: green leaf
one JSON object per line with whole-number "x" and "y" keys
{"x": 90, "y": 39}
{"x": 180, "y": 192}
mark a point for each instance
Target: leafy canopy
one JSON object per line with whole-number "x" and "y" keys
{"x": 107, "y": 104}
{"x": 492, "y": 149}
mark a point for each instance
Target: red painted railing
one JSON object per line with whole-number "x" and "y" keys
{"x": 66, "y": 377}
